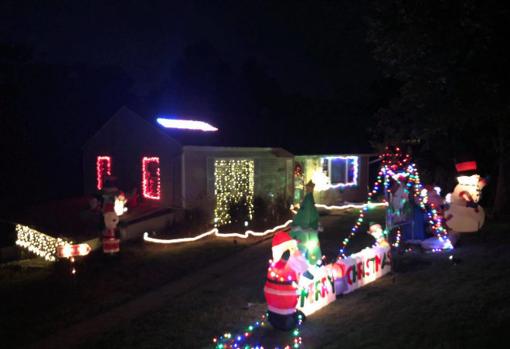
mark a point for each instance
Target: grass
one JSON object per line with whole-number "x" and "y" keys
{"x": 432, "y": 302}
{"x": 233, "y": 300}
{"x": 43, "y": 296}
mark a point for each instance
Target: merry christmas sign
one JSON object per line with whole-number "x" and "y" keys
{"x": 361, "y": 268}
{"x": 316, "y": 293}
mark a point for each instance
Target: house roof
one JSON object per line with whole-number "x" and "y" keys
{"x": 236, "y": 138}
{"x": 278, "y": 152}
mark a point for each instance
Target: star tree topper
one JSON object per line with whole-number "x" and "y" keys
{"x": 310, "y": 186}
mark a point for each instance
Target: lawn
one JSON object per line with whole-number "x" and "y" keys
{"x": 43, "y": 296}
{"x": 431, "y": 302}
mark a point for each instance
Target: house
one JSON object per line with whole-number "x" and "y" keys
{"x": 182, "y": 168}
{"x": 338, "y": 178}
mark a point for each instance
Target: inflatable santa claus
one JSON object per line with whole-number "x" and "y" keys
{"x": 464, "y": 214}
{"x": 282, "y": 281}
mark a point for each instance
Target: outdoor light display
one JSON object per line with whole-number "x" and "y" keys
{"x": 103, "y": 169}
{"x": 336, "y": 172}
{"x": 38, "y": 243}
{"x": 305, "y": 228}
{"x": 216, "y": 232}
{"x": 238, "y": 341}
{"x": 186, "y": 124}
{"x": 234, "y": 183}
{"x": 398, "y": 166}
{"x": 151, "y": 178}
{"x": 68, "y": 250}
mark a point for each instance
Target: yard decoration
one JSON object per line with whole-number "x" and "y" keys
{"x": 111, "y": 244}
{"x": 282, "y": 281}
{"x": 304, "y": 227}
{"x": 120, "y": 204}
{"x": 362, "y": 268}
{"x": 399, "y": 175}
{"x": 465, "y": 215}
{"x": 377, "y": 233}
{"x": 296, "y": 288}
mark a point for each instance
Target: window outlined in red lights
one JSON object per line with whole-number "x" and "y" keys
{"x": 151, "y": 178}
{"x": 103, "y": 169}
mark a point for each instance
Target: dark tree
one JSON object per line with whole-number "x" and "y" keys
{"x": 450, "y": 62}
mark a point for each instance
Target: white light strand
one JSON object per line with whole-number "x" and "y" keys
{"x": 216, "y": 233}
{"x": 344, "y": 207}
{"x": 38, "y": 243}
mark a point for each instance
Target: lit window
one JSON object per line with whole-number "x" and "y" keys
{"x": 103, "y": 169}
{"x": 342, "y": 171}
{"x": 151, "y": 178}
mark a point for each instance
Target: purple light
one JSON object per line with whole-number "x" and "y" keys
{"x": 186, "y": 124}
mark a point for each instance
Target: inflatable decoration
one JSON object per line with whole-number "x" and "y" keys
{"x": 304, "y": 227}
{"x": 282, "y": 281}
{"x": 378, "y": 234}
{"x": 111, "y": 243}
{"x": 464, "y": 214}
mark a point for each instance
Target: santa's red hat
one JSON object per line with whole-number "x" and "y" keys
{"x": 282, "y": 242}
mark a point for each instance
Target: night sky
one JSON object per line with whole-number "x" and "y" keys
{"x": 300, "y": 74}
{"x": 310, "y": 48}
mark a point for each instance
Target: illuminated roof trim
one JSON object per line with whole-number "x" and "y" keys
{"x": 186, "y": 124}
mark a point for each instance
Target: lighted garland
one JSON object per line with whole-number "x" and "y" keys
{"x": 392, "y": 165}
{"x": 362, "y": 211}
{"x": 103, "y": 168}
{"x": 234, "y": 182}
{"x": 38, "y": 243}
{"x": 216, "y": 232}
{"x": 230, "y": 341}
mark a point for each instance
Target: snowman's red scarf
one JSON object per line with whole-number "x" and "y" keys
{"x": 465, "y": 195}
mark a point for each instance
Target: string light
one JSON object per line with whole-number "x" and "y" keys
{"x": 186, "y": 124}
{"x": 103, "y": 168}
{"x": 151, "y": 178}
{"x": 230, "y": 341}
{"x": 369, "y": 205}
{"x": 398, "y": 166}
{"x": 234, "y": 183}
{"x": 216, "y": 233}
{"x": 38, "y": 243}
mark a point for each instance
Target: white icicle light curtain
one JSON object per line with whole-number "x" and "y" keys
{"x": 234, "y": 181}
{"x": 38, "y": 243}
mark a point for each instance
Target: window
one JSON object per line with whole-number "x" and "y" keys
{"x": 103, "y": 169}
{"x": 342, "y": 171}
{"x": 151, "y": 178}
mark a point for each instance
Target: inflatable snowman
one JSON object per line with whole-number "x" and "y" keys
{"x": 464, "y": 214}
{"x": 111, "y": 243}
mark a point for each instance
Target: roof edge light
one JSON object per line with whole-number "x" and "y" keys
{"x": 186, "y": 124}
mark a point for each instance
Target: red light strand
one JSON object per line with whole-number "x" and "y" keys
{"x": 151, "y": 178}
{"x": 103, "y": 168}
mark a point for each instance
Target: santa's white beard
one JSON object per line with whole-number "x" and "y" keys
{"x": 298, "y": 263}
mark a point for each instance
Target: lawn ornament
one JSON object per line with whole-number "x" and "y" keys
{"x": 282, "y": 281}
{"x": 111, "y": 243}
{"x": 377, "y": 232}
{"x": 465, "y": 215}
{"x": 304, "y": 228}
